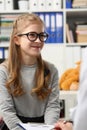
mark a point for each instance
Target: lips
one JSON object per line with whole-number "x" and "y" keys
{"x": 35, "y": 46}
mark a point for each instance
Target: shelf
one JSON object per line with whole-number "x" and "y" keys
{"x": 27, "y": 11}
{"x": 76, "y": 10}
{"x": 76, "y": 44}
{"x": 4, "y": 44}
{"x": 68, "y": 93}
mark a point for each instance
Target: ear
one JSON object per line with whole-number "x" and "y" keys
{"x": 16, "y": 40}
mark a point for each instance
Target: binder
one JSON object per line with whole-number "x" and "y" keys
{"x": 42, "y": 16}
{"x": 9, "y": 5}
{"x": 52, "y": 28}
{"x": 23, "y": 4}
{"x": 2, "y": 5}
{"x": 49, "y": 5}
{"x": 41, "y": 5}
{"x": 59, "y": 27}
{"x": 68, "y": 3}
{"x": 57, "y": 4}
{"x": 6, "y": 53}
{"x": 2, "y": 56}
{"x": 34, "y": 5}
{"x": 47, "y": 24}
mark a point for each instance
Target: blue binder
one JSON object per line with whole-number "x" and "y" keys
{"x": 2, "y": 53}
{"x": 42, "y": 16}
{"x": 59, "y": 27}
{"x": 47, "y": 24}
{"x": 68, "y": 3}
{"x": 53, "y": 27}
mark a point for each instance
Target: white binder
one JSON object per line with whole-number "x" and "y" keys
{"x": 2, "y": 5}
{"x": 57, "y": 4}
{"x": 33, "y": 5}
{"x": 49, "y": 5}
{"x": 42, "y": 5}
{"x": 9, "y": 5}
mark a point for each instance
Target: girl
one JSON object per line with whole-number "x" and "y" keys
{"x": 28, "y": 84}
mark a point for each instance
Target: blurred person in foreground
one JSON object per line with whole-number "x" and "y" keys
{"x": 80, "y": 113}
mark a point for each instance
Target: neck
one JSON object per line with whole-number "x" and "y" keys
{"x": 30, "y": 61}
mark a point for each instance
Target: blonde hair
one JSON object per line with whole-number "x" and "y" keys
{"x": 14, "y": 62}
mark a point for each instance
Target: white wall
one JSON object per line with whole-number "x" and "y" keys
{"x": 61, "y": 56}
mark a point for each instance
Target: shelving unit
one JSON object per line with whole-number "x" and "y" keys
{"x": 72, "y": 17}
{"x": 63, "y": 52}
{"x": 62, "y": 55}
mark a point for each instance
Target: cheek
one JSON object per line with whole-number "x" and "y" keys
{"x": 42, "y": 46}
{"x": 24, "y": 45}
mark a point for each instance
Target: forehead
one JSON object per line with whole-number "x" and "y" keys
{"x": 26, "y": 21}
{"x": 34, "y": 28}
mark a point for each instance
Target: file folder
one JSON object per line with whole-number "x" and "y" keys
{"x": 57, "y": 4}
{"x": 42, "y": 16}
{"x": 6, "y": 53}
{"x": 49, "y": 5}
{"x": 2, "y": 5}
{"x": 2, "y": 56}
{"x": 33, "y": 5}
{"x": 9, "y": 5}
{"x": 42, "y": 5}
{"x": 52, "y": 28}
{"x": 59, "y": 27}
{"x": 47, "y": 23}
{"x": 68, "y": 3}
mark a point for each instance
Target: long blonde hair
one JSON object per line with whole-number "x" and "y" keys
{"x": 14, "y": 62}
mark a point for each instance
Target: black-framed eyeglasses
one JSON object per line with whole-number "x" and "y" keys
{"x": 32, "y": 36}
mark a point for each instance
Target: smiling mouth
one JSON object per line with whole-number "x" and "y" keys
{"x": 36, "y": 46}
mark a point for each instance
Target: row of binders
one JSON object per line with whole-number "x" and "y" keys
{"x": 44, "y": 5}
{"x": 54, "y": 26}
{"x": 6, "y": 24}
{"x": 32, "y": 4}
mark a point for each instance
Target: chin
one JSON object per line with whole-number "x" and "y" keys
{"x": 36, "y": 54}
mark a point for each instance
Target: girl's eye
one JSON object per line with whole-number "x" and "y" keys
{"x": 32, "y": 35}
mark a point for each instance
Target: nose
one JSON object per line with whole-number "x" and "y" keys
{"x": 38, "y": 39}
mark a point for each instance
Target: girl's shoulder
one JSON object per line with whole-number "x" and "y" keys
{"x": 4, "y": 66}
{"x": 51, "y": 66}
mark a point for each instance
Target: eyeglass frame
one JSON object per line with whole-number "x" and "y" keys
{"x": 38, "y": 35}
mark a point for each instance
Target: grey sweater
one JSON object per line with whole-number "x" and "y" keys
{"x": 29, "y": 105}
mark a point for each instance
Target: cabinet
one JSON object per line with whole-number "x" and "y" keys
{"x": 62, "y": 54}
